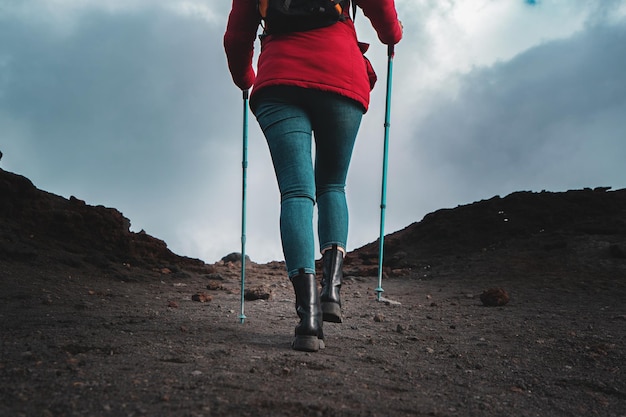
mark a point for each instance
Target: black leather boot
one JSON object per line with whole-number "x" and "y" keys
{"x": 332, "y": 263}
{"x": 309, "y": 335}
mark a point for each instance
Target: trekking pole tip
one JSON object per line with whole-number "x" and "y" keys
{"x": 379, "y": 293}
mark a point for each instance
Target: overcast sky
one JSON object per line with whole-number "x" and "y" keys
{"x": 129, "y": 104}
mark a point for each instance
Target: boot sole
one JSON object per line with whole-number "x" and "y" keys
{"x": 331, "y": 312}
{"x": 307, "y": 343}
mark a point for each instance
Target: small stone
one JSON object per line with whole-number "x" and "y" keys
{"x": 494, "y": 297}
{"x": 214, "y": 286}
{"x": 258, "y": 293}
{"x": 379, "y": 318}
{"x": 201, "y": 297}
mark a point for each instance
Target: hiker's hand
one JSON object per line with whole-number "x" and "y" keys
{"x": 245, "y": 80}
{"x": 398, "y": 34}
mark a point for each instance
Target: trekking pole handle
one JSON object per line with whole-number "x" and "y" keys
{"x": 391, "y": 51}
{"x": 245, "y": 94}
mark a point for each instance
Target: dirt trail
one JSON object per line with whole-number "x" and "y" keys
{"x": 81, "y": 343}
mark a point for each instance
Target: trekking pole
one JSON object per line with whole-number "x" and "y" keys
{"x": 383, "y": 198}
{"x": 244, "y": 166}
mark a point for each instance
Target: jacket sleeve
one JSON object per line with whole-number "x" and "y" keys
{"x": 384, "y": 18}
{"x": 239, "y": 38}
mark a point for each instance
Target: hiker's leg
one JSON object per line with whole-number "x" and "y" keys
{"x": 336, "y": 123}
{"x": 287, "y": 129}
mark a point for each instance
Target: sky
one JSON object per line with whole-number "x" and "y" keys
{"x": 129, "y": 104}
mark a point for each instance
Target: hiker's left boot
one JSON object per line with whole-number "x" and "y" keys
{"x": 309, "y": 336}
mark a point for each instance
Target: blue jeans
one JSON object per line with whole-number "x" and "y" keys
{"x": 288, "y": 117}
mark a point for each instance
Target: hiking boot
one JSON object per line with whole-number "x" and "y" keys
{"x": 309, "y": 336}
{"x": 332, "y": 274}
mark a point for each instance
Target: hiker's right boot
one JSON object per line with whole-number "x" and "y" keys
{"x": 332, "y": 275}
{"x": 309, "y": 336}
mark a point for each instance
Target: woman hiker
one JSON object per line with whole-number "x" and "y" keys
{"x": 311, "y": 83}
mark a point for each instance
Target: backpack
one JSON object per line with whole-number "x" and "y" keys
{"x": 284, "y": 16}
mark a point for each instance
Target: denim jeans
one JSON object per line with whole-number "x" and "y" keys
{"x": 289, "y": 118}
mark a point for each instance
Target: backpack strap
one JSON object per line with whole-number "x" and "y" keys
{"x": 353, "y": 4}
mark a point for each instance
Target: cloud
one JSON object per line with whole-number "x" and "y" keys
{"x": 131, "y": 111}
{"x": 528, "y": 123}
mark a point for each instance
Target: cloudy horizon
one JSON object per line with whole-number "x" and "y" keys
{"x": 129, "y": 104}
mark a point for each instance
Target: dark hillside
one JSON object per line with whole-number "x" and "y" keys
{"x": 578, "y": 225}
{"x": 39, "y": 227}
{"x": 590, "y": 224}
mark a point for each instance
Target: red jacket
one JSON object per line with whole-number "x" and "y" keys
{"x": 327, "y": 59}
